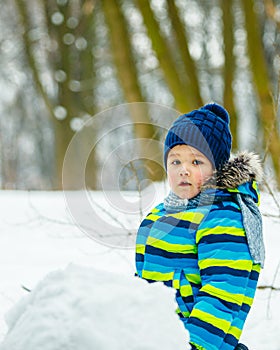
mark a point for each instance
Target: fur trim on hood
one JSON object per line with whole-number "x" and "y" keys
{"x": 242, "y": 168}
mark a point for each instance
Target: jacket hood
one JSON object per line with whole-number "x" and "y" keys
{"x": 240, "y": 169}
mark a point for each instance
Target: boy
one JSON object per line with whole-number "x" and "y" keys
{"x": 205, "y": 239}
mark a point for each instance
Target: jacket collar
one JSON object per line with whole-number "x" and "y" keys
{"x": 243, "y": 168}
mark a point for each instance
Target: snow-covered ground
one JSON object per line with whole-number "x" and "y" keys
{"x": 39, "y": 238}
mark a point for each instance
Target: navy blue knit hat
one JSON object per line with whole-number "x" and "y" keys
{"x": 206, "y": 129}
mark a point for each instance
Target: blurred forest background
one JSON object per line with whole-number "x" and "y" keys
{"x": 64, "y": 61}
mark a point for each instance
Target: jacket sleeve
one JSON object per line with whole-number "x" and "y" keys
{"x": 228, "y": 281}
{"x": 141, "y": 239}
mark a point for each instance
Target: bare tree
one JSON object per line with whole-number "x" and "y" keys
{"x": 263, "y": 86}
{"x": 65, "y": 50}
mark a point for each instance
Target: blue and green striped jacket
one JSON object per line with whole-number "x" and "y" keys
{"x": 203, "y": 253}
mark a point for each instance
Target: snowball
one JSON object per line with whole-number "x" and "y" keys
{"x": 83, "y": 308}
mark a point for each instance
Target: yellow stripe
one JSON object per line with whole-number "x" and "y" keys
{"x": 153, "y": 217}
{"x": 193, "y": 217}
{"x": 186, "y": 290}
{"x": 157, "y": 276}
{"x": 155, "y": 210}
{"x": 193, "y": 278}
{"x": 236, "y": 332}
{"x": 170, "y": 247}
{"x": 213, "y": 320}
{"x": 140, "y": 248}
{"x": 256, "y": 267}
{"x": 234, "y": 190}
{"x": 222, "y": 294}
{"x": 245, "y": 265}
{"x": 176, "y": 284}
{"x": 198, "y": 347}
{"x": 184, "y": 313}
{"x": 218, "y": 230}
{"x": 248, "y": 301}
{"x": 256, "y": 188}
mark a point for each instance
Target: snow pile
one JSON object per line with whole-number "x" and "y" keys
{"x": 84, "y": 308}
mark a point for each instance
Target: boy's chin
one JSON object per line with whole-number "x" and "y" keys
{"x": 187, "y": 195}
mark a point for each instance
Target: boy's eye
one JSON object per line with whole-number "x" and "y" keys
{"x": 176, "y": 162}
{"x": 197, "y": 162}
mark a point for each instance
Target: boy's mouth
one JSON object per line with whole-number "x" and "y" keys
{"x": 184, "y": 184}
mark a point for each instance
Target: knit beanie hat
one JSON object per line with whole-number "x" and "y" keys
{"x": 206, "y": 129}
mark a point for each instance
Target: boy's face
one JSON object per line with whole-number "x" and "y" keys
{"x": 187, "y": 170}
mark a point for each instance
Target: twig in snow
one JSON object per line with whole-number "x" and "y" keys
{"x": 268, "y": 287}
{"x": 272, "y": 195}
{"x": 25, "y": 288}
{"x": 271, "y": 289}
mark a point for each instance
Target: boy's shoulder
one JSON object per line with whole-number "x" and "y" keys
{"x": 158, "y": 208}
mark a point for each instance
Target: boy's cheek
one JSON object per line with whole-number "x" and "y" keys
{"x": 200, "y": 181}
{"x": 170, "y": 179}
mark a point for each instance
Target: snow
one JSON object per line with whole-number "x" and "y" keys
{"x": 84, "y": 293}
{"x": 84, "y": 308}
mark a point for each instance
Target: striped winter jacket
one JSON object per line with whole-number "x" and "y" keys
{"x": 203, "y": 253}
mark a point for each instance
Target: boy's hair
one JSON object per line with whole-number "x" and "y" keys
{"x": 206, "y": 129}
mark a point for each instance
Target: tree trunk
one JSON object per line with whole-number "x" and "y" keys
{"x": 264, "y": 90}
{"x": 166, "y": 60}
{"x": 77, "y": 66}
{"x": 192, "y": 85}
{"x": 229, "y": 68}
{"x": 127, "y": 74}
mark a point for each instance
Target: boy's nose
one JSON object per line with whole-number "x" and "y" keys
{"x": 184, "y": 171}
